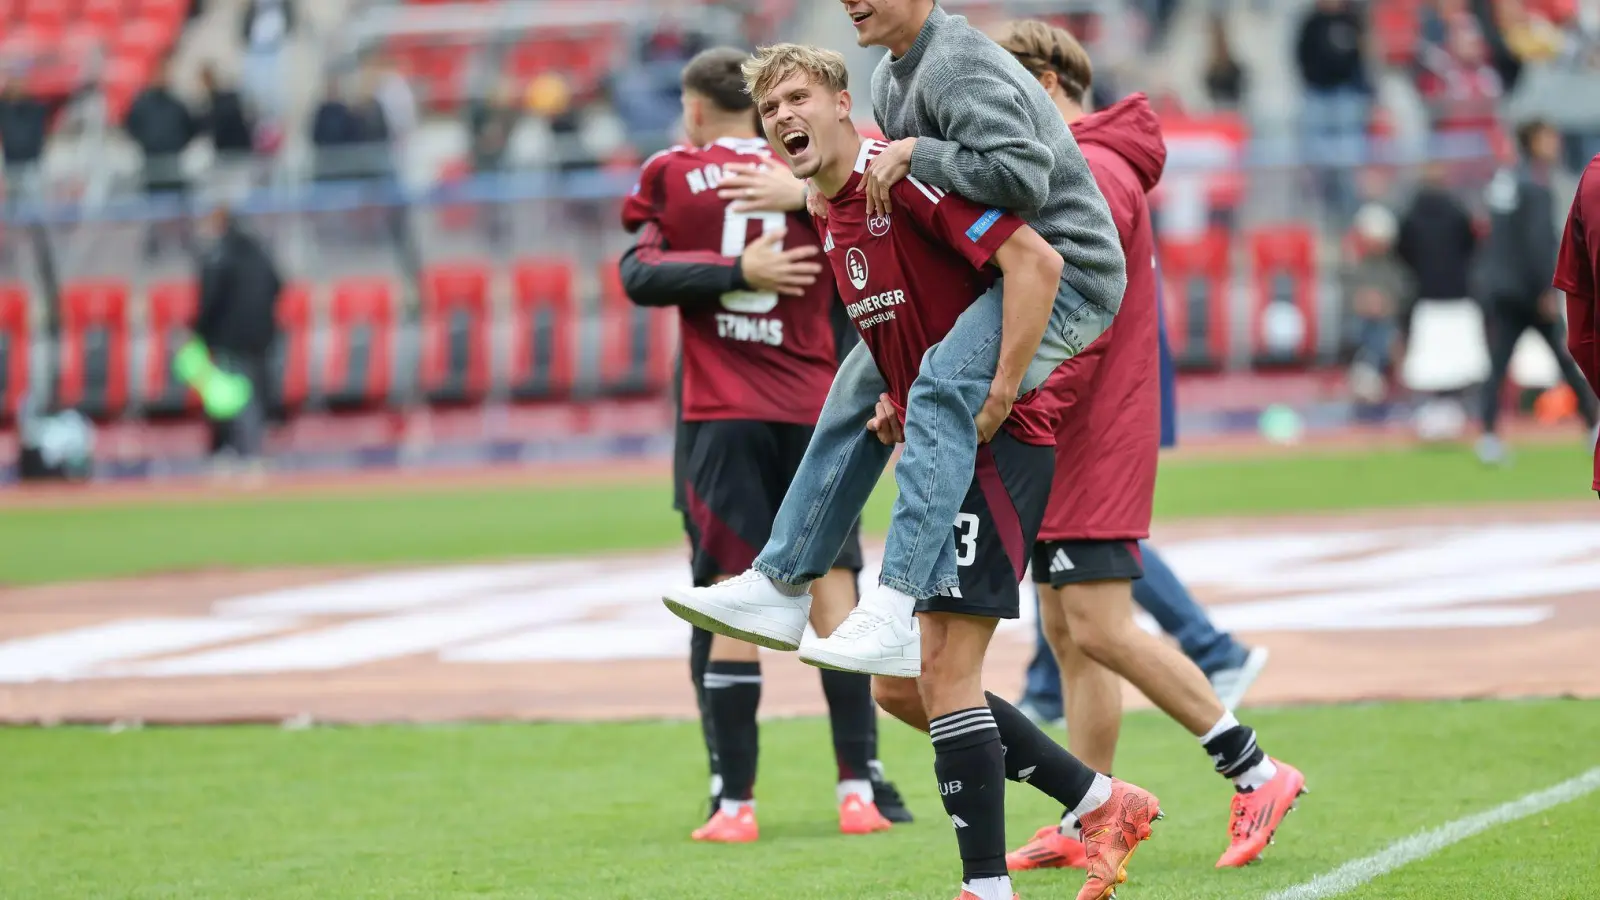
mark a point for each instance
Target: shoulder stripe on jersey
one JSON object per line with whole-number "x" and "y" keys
{"x": 933, "y": 194}
{"x": 675, "y": 148}
{"x": 869, "y": 149}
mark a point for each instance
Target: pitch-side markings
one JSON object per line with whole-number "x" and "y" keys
{"x": 1358, "y": 872}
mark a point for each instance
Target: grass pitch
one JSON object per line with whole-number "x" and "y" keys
{"x": 384, "y": 527}
{"x": 603, "y": 812}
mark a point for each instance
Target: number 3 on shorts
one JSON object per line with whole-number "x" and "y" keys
{"x": 966, "y": 538}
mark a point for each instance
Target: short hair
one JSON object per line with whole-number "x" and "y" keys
{"x": 771, "y": 65}
{"x": 1045, "y": 48}
{"x": 1529, "y": 130}
{"x": 716, "y": 75}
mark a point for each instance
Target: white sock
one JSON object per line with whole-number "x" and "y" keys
{"x": 716, "y": 785}
{"x": 732, "y": 807}
{"x": 859, "y": 786}
{"x": 1223, "y": 724}
{"x": 891, "y": 604}
{"x": 1099, "y": 795}
{"x": 989, "y": 888}
{"x": 1257, "y": 775}
{"x": 790, "y": 590}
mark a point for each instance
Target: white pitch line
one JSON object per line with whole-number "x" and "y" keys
{"x": 1357, "y": 872}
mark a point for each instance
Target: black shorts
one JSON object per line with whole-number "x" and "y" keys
{"x": 733, "y": 475}
{"x": 1060, "y": 563}
{"x": 998, "y": 522}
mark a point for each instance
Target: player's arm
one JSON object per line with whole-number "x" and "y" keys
{"x": 989, "y": 153}
{"x": 1575, "y": 275}
{"x": 1032, "y": 270}
{"x": 655, "y": 275}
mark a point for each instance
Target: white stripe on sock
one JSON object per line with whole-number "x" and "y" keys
{"x": 978, "y": 726}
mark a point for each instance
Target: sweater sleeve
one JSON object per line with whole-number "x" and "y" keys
{"x": 988, "y": 152}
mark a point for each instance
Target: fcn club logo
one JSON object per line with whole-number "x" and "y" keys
{"x": 855, "y": 263}
{"x": 878, "y": 226}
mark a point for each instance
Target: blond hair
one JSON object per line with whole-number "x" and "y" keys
{"x": 1045, "y": 48}
{"x": 772, "y": 65}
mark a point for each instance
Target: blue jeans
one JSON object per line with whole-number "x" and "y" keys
{"x": 1165, "y": 598}
{"x": 843, "y": 462}
{"x": 1333, "y": 131}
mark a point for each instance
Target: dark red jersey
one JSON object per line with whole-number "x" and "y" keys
{"x": 750, "y": 354}
{"x": 1109, "y": 396}
{"x": 906, "y": 277}
{"x": 1578, "y": 274}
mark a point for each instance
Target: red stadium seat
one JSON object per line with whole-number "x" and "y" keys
{"x": 13, "y": 349}
{"x": 543, "y": 317}
{"x": 47, "y": 15}
{"x": 94, "y": 348}
{"x": 1283, "y": 309}
{"x": 146, "y": 39}
{"x": 291, "y": 363}
{"x": 172, "y": 311}
{"x": 455, "y": 333}
{"x": 1195, "y": 281}
{"x": 359, "y": 361}
{"x": 101, "y": 15}
{"x": 637, "y": 344}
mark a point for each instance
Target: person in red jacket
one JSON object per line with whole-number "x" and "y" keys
{"x": 1578, "y": 274}
{"x": 1107, "y": 444}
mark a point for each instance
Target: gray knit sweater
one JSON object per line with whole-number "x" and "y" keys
{"x": 986, "y": 130}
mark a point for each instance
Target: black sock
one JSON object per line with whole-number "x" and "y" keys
{"x": 1034, "y": 758}
{"x": 1234, "y": 751}
{"x": 733, "y": 691}
{"x": 853, "y": 715}
{"x": 970, "y": 766}
{"x": 699, "y": 656}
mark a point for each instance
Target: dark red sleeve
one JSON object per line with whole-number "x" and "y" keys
{"x": 970, "y": 229}
{"x": 644, "y": 203}
{"x": 1575, "y": 276}
{"x": 1118, "y": 185}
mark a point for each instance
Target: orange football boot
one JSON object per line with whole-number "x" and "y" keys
{"x": 857, "y": 816}
{"x": 723, "y": 828}
{"x": 1111, "y": 834}
{"x": 1257, "y": 814}
{"x": 1049, "y": 849}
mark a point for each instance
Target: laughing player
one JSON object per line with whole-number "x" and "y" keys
{"x": 906, "y": 277}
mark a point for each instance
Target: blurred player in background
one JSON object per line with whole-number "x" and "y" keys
{"x": 1519, "y": 261}
{"x": 906, "y": 278}
{"x": 759, "y": 351}
{"x": 1107, "y": 443}
{"x": 970, "y": 122}
{"x": 1578, "y": 273}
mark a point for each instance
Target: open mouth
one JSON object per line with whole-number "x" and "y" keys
{"x": 795, "y": 141}
{"x": 858, "y": 17}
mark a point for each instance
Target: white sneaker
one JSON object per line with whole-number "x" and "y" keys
{"x": 870, "y": 643}
{"x": 1232, "y": 684}
{"x": 748, "y": 607}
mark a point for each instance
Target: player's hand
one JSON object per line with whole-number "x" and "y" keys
{"x": 885, "y": 423}
{"x": 769, "y": 267}
{"x": 816, "y": 204}
{"x": 755, "y": 188}
{"x": 996, "y": 409}
{"x": 884, "y": 172}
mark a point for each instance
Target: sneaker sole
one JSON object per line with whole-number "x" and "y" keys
{"x": 751, "y": 629}
{"x": 889, "y": 668}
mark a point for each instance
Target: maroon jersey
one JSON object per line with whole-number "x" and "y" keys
{"x": 1578, "y": 274}
{"x": 751, "y": 355}
{"x": 906, "y": 277}
{"x": 1109, "y": 396}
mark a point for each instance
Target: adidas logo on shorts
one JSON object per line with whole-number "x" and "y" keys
{"x": 1060, "y": 562}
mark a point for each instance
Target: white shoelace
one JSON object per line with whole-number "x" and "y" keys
{"x": 860, "y": 622}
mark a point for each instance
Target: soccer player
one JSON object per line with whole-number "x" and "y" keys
{"x": 1107, "y": 444}
{"x": 758, "y": 355}
{"x": 970, "y": 122}
{"x": 1578, "y": 273}
{"x": 906, "y": 277}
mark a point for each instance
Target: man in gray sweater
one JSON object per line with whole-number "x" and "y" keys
{"x": 968, "y": 118}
